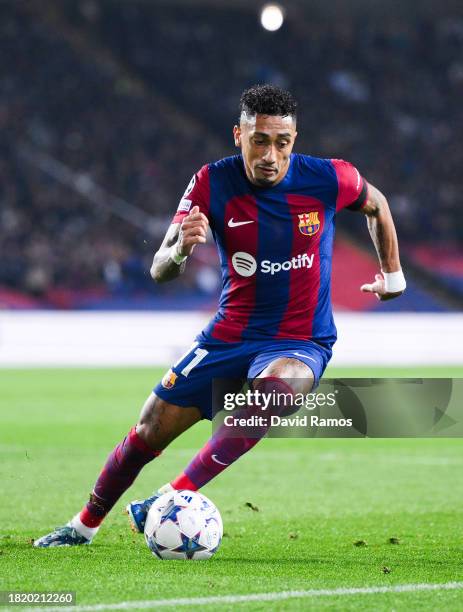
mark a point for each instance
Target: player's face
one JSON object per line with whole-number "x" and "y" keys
{"x": 266, "y": 142}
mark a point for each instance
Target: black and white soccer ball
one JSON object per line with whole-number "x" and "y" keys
{"x": 183, "y": 525}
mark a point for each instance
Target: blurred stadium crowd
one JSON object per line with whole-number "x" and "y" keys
{"x": 135, "y": 96}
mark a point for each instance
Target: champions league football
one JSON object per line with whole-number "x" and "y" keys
{"x": 183, "y": 525}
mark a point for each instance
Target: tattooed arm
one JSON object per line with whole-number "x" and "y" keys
{"x": 179, "y": 242}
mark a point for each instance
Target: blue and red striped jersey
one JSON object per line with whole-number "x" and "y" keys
{"x": 275, "y": 246}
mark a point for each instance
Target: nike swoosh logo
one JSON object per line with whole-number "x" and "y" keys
{"x": 305, "y": 357}
{"x": 232, "y": 223}
{"x": 214, "y": 458}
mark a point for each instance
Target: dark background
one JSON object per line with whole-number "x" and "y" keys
{"x": 107, "y": 108}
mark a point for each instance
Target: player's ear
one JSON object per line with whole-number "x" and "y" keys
{"x": 237, "y": 135}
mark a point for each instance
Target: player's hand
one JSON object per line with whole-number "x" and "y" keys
{"x": 379, "y": 289}
{"x": 192, "y": 231}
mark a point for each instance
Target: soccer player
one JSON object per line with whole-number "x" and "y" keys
{"x": 272, "y": 214}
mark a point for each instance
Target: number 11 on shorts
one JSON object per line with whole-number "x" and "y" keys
{"x": 199, "y": 355}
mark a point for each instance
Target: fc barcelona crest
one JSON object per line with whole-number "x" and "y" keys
{"x": 169, "y": 379}
{"x": 309, "y": 223}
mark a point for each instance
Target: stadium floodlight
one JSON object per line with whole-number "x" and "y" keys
{"x": 272, "y": 17}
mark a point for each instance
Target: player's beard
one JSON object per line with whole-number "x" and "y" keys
{"x": 263, "y": 182}
{"x": 267, "y": 181}
{"x": 273, "y": 179}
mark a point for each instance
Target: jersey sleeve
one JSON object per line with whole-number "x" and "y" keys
{"x": 196, "y": 194}
{"x": 352, "y": 187}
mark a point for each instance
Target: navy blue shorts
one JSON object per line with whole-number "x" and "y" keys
{"x": 189, "y": 381}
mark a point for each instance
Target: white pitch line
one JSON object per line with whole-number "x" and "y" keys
{"x": 236, "y": 599}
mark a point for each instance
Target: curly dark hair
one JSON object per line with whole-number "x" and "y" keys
{"x": 267, "y": 100}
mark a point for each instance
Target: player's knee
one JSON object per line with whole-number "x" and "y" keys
{"x": 292, "y": 372}
{"x": 151, "y": 437}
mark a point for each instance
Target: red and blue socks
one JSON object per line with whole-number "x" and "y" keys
{"x": 120, "y": 470}
{"x": 221, "y": 450}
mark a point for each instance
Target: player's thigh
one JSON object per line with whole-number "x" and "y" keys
{"x": 161, "y": 422}
{"x": 298, "y": 375}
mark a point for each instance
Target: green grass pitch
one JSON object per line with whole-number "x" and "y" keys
{"x": 315, "y": 498}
